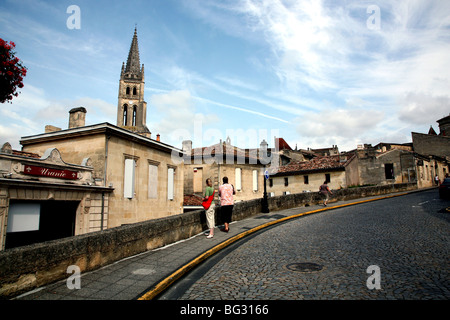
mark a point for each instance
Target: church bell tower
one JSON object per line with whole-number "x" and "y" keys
{"x": 132, "y": 109}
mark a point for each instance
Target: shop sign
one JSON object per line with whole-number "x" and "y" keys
{"x": 50, "y": 173}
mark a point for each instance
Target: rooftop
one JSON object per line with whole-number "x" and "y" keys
{"x": 321, "y": 163}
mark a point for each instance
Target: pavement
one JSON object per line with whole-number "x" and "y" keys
{"x": 147, "y": 275}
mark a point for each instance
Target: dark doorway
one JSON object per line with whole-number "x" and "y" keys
{"x": 389, "y": 171}
{"x": 56, "y": 221}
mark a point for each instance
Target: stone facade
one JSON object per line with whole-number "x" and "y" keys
{"x": 373, "y": 166}
{"x": 308, "y": 176}
{"x": 27, "y": 178}
{"x": 444, "y": 126}
{"x": 110, "y": 147}
{"x": 431, "y": 145}
{"x": 432, "y": 154}
{"x": 242, "y": 167}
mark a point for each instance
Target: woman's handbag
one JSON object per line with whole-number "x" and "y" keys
{"x": 206, "y": 204}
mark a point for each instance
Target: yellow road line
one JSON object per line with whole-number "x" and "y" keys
{"x": 164, "y": 284}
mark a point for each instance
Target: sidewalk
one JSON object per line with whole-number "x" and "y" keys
{"x": 146, "y": 274}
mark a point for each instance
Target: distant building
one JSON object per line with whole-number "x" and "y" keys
{"x": 380, "y": 165}
{"x": 432, "y": 153}
{"x": 444, "y": 126}
{"x": 308, "y": 175}
{"x": 432, "y": 144}
{"x": 243, "y": 167}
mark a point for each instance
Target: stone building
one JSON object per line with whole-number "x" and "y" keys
{"x": 138, "y": 172}
{"x": 432, "y": 144}
{"x": 147, "y": 184}
{"x": 444, "y": 126}
{"x": 44, "y": 198}
{"x": 384, "y": 164}
{"x": 308, "y": 175}
{"x": 432, "y": 153}
{"x": 243, "y": 167}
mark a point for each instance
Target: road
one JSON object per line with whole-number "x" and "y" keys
{"x": 390, "y": 249}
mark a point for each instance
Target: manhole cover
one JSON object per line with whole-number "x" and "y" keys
{"x": 304, "y": 267}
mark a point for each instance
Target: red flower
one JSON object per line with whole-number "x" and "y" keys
{"x": 11, "y": 72}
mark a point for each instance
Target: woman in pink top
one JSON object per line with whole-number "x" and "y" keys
{"x": 226, "y": 192}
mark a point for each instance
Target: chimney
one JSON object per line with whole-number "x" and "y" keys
{"x": 263, "y": 145}
{"x": 50, "y": 128}
{"x": 77, "y": 117}
{"x": 158, "y": 137}
{"x": 187, "y": 147}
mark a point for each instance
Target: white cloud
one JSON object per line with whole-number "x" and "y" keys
{"x": 179, "y": 117}
{"x": 420, "y": 108}
{"x": 32, "y": 110}
{"x": 345, "y": 123}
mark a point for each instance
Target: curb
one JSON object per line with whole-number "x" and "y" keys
{"x": 165, "y": 283}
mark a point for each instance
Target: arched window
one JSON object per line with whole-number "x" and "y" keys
{"x": 134, "y": 115}
{"x": 128, "y": 90}
{"x": 125, "y": 116}
{"x": 134, "y": 91}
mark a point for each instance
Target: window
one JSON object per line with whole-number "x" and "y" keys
{"x": 255, "y": 180}
{"x": 238, "y": 176}
{"x": 306, "y": 179}
{"x": 134, "y": 91}
{"x": 125, "y": 116}
{"x": 134, "y": 116}
{"x": 128, "y": 90}
{"x": 389, "y": 170}
{"x": 286, "y": 181}
{"x": 152, "y": 181}
{"x": 271, "y": 183}
{"x": 128, "y": 184}
{"x": 327, "y": 177}
{"x": 170, "y": 183}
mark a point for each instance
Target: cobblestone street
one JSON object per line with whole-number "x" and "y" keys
{"x": 407, "y": 238}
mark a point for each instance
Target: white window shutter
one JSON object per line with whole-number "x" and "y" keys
{"x": 255, "y": 180}
{"x": 238, "y": 177}
{"x": 128, "y": 184}
{"x": 23, "y": 217}
{"x": 152, "y": 181}
{"x": 170, "y": 183}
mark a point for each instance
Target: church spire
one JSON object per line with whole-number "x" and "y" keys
{"x": 132, "y": 108}
{"x": 133, "y": 66}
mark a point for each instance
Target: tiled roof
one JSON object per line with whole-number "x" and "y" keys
{"x": 324, "y": 163}
{"x": 192, "y": 200}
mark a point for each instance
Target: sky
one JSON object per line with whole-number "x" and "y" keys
{"x": 316, "y": 73}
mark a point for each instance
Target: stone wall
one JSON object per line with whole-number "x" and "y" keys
{"x": 25, "y": 268}
{"x": 428, "y": 144}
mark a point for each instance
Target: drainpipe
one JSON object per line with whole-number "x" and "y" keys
{"x": 104, "y": 182}
{"x": 103, "y": 210}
